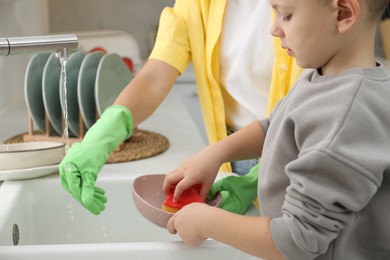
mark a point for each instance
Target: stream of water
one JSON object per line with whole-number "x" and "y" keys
{"x": 63, "y": 88}
{"x": 63, "y": 60}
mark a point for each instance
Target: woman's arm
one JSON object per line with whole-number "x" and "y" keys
{"x": 148, "y": 89}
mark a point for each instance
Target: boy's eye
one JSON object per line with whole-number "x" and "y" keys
{"x": 286, "y": 18}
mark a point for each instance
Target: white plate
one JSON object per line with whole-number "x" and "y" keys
{"x": 51, "y": 94}
{"x": 112, "y": 77}
{"x": 86, "y": 87}
{"x": 29, "y": 173}
{"x": 30, "y": 154}
{"x": 33, "y": 89}
{"x": 72, "y": 67}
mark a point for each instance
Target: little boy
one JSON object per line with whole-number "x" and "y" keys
{"x": 324, "y": 183}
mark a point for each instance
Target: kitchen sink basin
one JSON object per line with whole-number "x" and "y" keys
{"x": 39, "y": 220}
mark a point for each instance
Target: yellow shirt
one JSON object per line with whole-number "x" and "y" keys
{"x": 191, "y": 31}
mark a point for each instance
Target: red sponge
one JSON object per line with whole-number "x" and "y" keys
{"x": 188, "y": 196}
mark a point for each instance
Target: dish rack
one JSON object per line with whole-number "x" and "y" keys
{"x": 37, "y": 135}
{"x": 114, "y": 42}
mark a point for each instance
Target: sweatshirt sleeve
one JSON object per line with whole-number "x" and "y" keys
{"x": 324, "y": 193}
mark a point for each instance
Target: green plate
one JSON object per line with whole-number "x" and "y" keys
{"x": 33, "y": 89}
{"x": 51, "y": 93}
{"x": 86, "y": 87}
{"x": 111, "y": 78}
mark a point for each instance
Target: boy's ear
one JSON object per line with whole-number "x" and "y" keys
{"x": 347, "y": 13}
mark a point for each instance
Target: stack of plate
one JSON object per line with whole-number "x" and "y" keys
{"x": 94, "y": 80}
{"x": 20, "y": 161}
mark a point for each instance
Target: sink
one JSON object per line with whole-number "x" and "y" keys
{"x": 39, "y": 220}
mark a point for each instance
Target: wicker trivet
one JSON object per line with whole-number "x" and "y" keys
{"x": 142, "y": 144}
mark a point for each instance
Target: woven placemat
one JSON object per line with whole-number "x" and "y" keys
{"x": 142, "y": 144}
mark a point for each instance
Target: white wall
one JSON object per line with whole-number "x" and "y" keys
{"x": 17, "y": 18}
{"x": 137, "y": 17}
{"x": 35, "y": 17}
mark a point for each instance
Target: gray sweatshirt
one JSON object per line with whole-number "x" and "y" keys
{"x": 325, "y": 174}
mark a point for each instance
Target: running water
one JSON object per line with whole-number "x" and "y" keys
{"x": 104, "y": 230}
{"x": 63, "y": 60}
{"x": 63, "y": 57}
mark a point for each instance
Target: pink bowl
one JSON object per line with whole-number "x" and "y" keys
{"x": 149, "y": 197}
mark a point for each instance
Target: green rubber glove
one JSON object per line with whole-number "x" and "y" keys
{"x": 238, "y": 192}
{"x": 82, "y": 163}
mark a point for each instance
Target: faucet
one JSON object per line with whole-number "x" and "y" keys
{"x": 61, "y": 44}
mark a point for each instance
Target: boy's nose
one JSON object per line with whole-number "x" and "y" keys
{"x": 276, "y": 30}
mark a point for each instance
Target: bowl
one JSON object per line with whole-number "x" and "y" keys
{"x": 30, "y": 155}
{"x": 148, "y": 198}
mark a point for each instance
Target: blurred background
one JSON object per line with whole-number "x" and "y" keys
{"x": 138, "y": 18}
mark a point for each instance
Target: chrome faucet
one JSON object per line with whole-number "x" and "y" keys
{"x": 59, "y": 44}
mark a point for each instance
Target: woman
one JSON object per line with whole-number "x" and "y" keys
{"x": 210, "y": 33}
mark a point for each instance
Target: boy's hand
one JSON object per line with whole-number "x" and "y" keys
{"x": 188, "y": 221}
{"x": 200, "y": 168}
